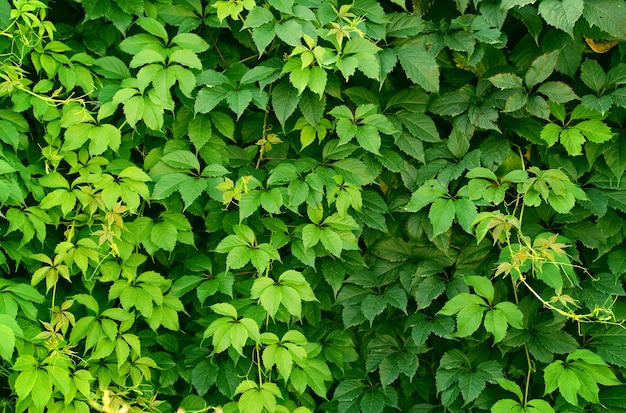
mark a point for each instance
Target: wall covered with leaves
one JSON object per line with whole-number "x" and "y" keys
{"x": 312, "y": 206}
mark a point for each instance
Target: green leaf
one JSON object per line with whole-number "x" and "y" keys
{"x": 153, "y": 27}
{"x": 257, "y": 17}
{"x": 181, "y": 159}
{"x": 208, "y": 98}
{"x": 594, "y": 130}
{"x": 239, "y": 100}
{"x": 420, "y": 66}
{"x": 420, "y": 126}
{"x": 507, "y": 406}
{"x": 468, "y": 320}
{"x": 42, "y": 395}
{"x": 283, "y": 6}
{"x": 7, "y": 344}
{"x": 573, "y": 140}
{"x": 426, "y": 194}
{"x": 607, "y": 15}
{"x": 550, "y": 133}
{"x": 541, "y": 68}
{"x": 466, "y": 212}
{"x": 331, "y": 241}
{"x": 592, "y": 75}
{"x": 506, "y": 81}
{"x": 190, "y": 189}
{"x": 199, "y": 131}
{"x": 562, "y": 14}
{"x": 263, "y": 36}
{"x": 471, "y": 384}
{"x": 164, "y": 235}
{"x": 290, "y": 32}
{"x": 482, "y": 286}
{"x": 495, "y": 323}
{"x": 427, "y": 290}
{"x": 258, "y": 73}
{"x": 441, "y": 215}
{"x": 368, "y": 138}
{"x": 285, "y": 100}
{"x": 558, "y": 91}
{"x": 372, "y": 402}
{"x": 203, "y": 376}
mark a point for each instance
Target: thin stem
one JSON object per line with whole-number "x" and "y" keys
{"x": 530, "y": 369}
{"x": 258, "y": 363}
{"x": 528, "y": 359}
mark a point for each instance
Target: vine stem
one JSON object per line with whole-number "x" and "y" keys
{"x": 530, "y": 369}
{"x": 526, "y": 351}
{"x": 258, "y": 363}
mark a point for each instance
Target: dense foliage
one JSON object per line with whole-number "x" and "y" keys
{"x": 312, "y": 205}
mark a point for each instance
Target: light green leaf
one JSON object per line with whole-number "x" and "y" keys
{"x": 368, "y": 138}
{"x": 573, "y": 141}
{"x": 482, "y": 286}
{"x": 511, "y": 386}
{"x": 186, "y": 57}
{"x": 550, "y": 133}
{"x": 569, "y": 386}
{"x": 190, "y": 41}
{"x": 594, "y": 130}
{"x": 317, "y": 80}
{"x": 43, "y": 386}
{"x": 164, "y": 235}
{"x": 257, "y": 17}
{"x": 507, "y": 406}
{"x": 495, "y": 323}
{"x": 539, "y": 406}
{"x": 331, "y": 241}
{"x": 7, "y": 344}
{"x": 153, "y": 27}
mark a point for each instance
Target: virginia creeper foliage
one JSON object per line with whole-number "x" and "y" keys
{"x": 293, "y": 206}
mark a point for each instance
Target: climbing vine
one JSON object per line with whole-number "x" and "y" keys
{"x": 290, "y": 206}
